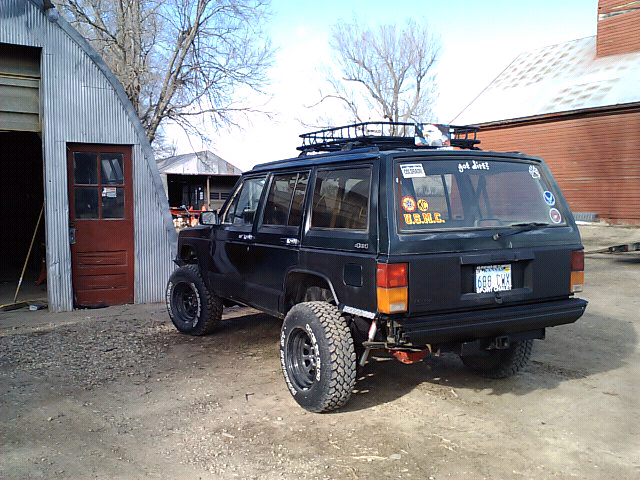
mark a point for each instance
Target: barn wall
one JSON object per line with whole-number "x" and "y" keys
{"x": 618, "y": 27}
{"x": 83, "y": 103}
{"x": 594, "y": 158}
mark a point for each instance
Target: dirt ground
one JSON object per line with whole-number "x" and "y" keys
{"x": 118, "y": 393}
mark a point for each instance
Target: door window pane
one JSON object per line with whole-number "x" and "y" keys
{"x": 243, "y": 209}
{"x": 85, "y": 168}
{"x": 112, "y": 202}
{"x": 86, "y": 202}
{"x": 276, "y": 210}
{"x": 112, "y": 171}
{"x": 341, "y": 199}
{"x": 295, "y": 215}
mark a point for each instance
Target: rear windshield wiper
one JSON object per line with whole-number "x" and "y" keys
{"x": 519, "y": 228}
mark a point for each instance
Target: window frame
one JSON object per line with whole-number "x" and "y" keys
{"x": 465, "y": 190}
{"x": 345, "y": 240}
{"x": 272, "y": 180}
{"x": 232, "y": 198}
{"x": 340, "y": 230}
{"x": 100, "y": 185}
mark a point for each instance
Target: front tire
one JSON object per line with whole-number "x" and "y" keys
{"x": 192, "y": 307}
{"x": 317, "y": 356}
{"x": 501, "y": 363}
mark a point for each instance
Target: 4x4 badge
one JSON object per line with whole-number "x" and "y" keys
{"x": 364, "y": 246}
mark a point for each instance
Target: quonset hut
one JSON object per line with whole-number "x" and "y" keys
{"x": 73, "y": 148}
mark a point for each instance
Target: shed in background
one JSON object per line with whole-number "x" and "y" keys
{"x": 577, "y": 105}
{"x": 197, "y": 181}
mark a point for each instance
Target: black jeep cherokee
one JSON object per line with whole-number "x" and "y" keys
{"x": 385, "y": 241}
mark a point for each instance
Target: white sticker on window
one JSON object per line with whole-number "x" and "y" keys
{"x": 412, "y": 170}
{"x": 534, "y": 172}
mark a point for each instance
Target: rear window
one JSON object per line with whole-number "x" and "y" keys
{"x": 446, "y": 194}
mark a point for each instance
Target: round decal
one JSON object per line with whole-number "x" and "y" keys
{"x": 533, "y": 170}
{"x": 423, "y": 206}
{"x": 555, "y": 215}
{"x": 549, "y": 198}
{"x": 408, "y": 204}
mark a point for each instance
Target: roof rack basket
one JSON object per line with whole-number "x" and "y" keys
{"x": 389, "y": 135}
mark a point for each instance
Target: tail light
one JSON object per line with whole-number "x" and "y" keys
{"x": 392, "y": 282}
{"x": 577, "y": 271}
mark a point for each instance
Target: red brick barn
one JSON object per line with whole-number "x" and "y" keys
{"x": 577, "y": 105}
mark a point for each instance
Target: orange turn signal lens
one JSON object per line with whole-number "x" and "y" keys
{"x": 577, "y": 282}
{"x": 393, "y": 300}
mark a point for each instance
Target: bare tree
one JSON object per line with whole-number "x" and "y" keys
{"x": 387, "y": 72}
{"x": 180, "y": 60}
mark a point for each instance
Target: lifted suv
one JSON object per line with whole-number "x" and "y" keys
{"x": 385, "y": 241}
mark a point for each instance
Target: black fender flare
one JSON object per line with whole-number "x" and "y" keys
{"x": 307, "y": 273}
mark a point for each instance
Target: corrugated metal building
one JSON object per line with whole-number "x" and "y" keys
{"x": 577, "y": 105}
{"x": 71, "y": 141}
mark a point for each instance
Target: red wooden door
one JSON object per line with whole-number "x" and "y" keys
{"x": 101, "y": 223}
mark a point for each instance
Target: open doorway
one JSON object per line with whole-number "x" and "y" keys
{"x": 21, "y": 201}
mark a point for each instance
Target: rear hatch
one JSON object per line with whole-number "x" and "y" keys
{"x": 480, "y": 230}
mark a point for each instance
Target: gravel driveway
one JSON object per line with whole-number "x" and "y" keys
{"x": 118, "y": 393}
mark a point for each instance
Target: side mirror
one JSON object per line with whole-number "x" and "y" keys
{"x": 209, "y": 218}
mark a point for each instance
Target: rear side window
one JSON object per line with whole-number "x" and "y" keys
{"x": 341, "y": 199}
{"x": 443, "y": 194}
{"x": 285, "y": 199}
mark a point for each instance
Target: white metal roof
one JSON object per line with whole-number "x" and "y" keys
{"x": 200, "y": 163}
{"x": 557, "y": 78}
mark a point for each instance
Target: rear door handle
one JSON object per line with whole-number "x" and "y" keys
{"x": 290, "y": 241}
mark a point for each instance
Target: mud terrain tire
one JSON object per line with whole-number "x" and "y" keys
{"x": 317, "y": 356}
{"x": 192, "y": 307}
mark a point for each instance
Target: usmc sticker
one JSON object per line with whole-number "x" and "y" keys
{"x": 408, "y": 204}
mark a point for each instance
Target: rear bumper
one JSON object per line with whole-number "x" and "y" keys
{"x": 472, "y": 325}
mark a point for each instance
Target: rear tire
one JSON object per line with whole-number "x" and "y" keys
{"x": 193, "y": 309}
{"x": 317, "y": 356}
{"x": 501, "y": 363}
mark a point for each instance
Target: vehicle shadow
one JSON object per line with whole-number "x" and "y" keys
{"x": 594, "y": 344}
{"x": 240, "y": 329}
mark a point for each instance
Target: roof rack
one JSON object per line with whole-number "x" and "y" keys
{"x": 388, "y": 135}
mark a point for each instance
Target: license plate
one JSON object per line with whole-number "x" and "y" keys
{"x": 493, "y": 278}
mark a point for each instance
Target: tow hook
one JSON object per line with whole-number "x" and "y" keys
{"x": 501, "y": 343}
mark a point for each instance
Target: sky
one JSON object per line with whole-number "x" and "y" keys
{"x": 478, "y": 41}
